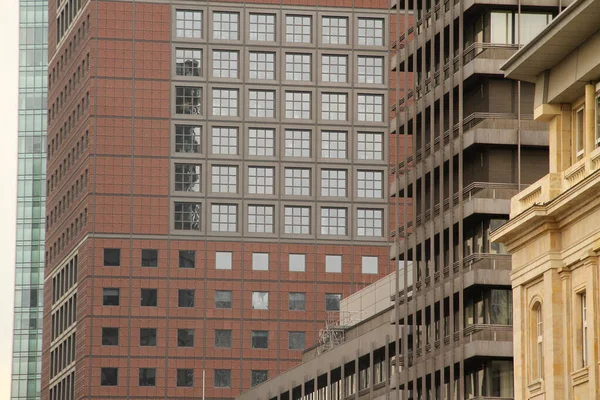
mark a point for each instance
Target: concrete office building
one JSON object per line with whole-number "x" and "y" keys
{"x": 217, "y": 181}
{"x": 553, "y": 232}
{"x": 31, "y": 197}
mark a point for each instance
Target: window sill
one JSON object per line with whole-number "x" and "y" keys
{"x": 580, "y": 376}
{"x": 536, "y": 386}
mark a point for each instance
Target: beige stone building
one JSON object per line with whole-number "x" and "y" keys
{"x": 554, "y": 228}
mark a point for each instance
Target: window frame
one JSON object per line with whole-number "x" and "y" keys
{"x": 579, "y": 136}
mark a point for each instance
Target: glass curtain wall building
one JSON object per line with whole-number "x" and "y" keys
{"x": 29, "y": 280}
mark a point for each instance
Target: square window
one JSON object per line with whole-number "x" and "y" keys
{"x": 370, "y": 146}
{"x": 147, "y": 336}
{"x": 261, "y": 180}
{"x": 333, "y": 263}
{"x": 149, "y": 258}
{"x": 370, "y": 107}
{"x": 226, "y": 25}
{"x": 186, "y": 298}
{"x": 224, "y": 218}
{"x": 109, "y": 376}
{"x": 224, "y": 140}
{"x": 147, "y": 377}
{"x": 187, "y": 216}
{"x": 148, "y": 297}
{"x": 334, "y": 144}
{"x": 333, "y": 182}
{"x": 188, "y": 139}
{"x": 262, "y": 27}
{"x": 185, "y": 338}
{"x": 188, "y": 62}
{"x": 334, "y": 68}
{"x": 260, "y": 261}
{"x": 260, "y": 300}
{"x": 112, "y": 257}
{"x": 223, "y": 260}
{"x": 188, "y": 24}
{"x": 261, "y": 142}
{"x": 333, "y": 221}
{"x": 187, "y": 178}
{"x": 261, "y": 103}
{"x": 297, "y": 220}
{"x": 225, "y": 102}
{"x": 369, "y": 222}
{"x": 298, "y": 67}
{"x": 370, "y": 69}
{"x": 222, "y": 378}
{"x": 185, "y": 377}
{"x": 187, "y": 259}
{"x": 258, "y": 377}
{"x": 223, "y": 299}
{"x": 370, "y": 31}
{"x": 335, "y": 30}
{"x": 223, "y": 338}
{"x": 110, "y": 336}
{"x": 297, "y": 181}
{"x": 297, "y": 262}
{"x": 297, "y": 105}
{"x": 188, "y": 100}
{"x": 261, "y": 219}
{"x": 260, "y": 339}
{"x": 332, "y": 301}
{"x": 262, "y": 65}
{"x": 370, "y": 265}
{"x": 298, "y": 29}
{"x": 296, "y": 301}
{"x": 110, "y": 297}
{"x": 370, "y": 184}
{"x": 224, "y": 179}
{"x": 334, "y": 106}
{"x": 296, "y": 340}
{"x": 297, "y": 143}
{"x": 225, "y": 64}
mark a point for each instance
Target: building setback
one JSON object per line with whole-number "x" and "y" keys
{"x": 217, "y": 182}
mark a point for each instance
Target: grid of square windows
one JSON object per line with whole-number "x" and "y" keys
{"x": 187, "y": 178}
{"x": 297, "y": 105}
{"x": 261, "y": 180}
{"x": 224, "y": 140}
{"x": 187, "y": 216}
{"x": 224, "y": 218}
{"x": 370, "y": 184}
{"x": 188, "y": 24}
{"x": 334, "y": 106}
{"x": 225, "y": 102}
{"x": 261, "y": 142}
{"x": 297, "y": 220}
{"x": 335, "y": 30}
{"x": 297, "y": 143}
{"x": 333, "y": 221}
{"x": 370, "y": 107}
{"x": 260, "y": 219}
{"x": 261, "y": 103}
{"x": 370, "y": 69}
{"x": 225, "y": 63}
{"x": 333, "y": 182}
{"x": 334, "y": 144}
{"x": 188, "y": 139}
{"x": 369, "y": 222}
{"x": 334, "y": 68}
{"x": 188, "y": 62}
{"x": 370, "y": 146}
{"x": 226, "y": 25}
{"x": 297, "y": 181}
{"x": 262, "y": 27}
{"x": 370, "y": 31}
{"x": 297, "y": 29}
{"x": 297, "y": 67}
{"x": 262, "y": 65}
{"x": 224, "y": 179}
{"x": 188, "y": 100}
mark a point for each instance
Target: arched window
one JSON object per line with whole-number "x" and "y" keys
{"x": 537, "y": 347}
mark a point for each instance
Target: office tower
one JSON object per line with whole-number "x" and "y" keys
{"x": 475, "y": 144}
{"x": 217, "y": 182}
{"x": 553, "y": 231}
{"x": 31, "y": 198}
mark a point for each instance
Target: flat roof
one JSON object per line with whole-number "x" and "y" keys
{"x": 576, "y": 23}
